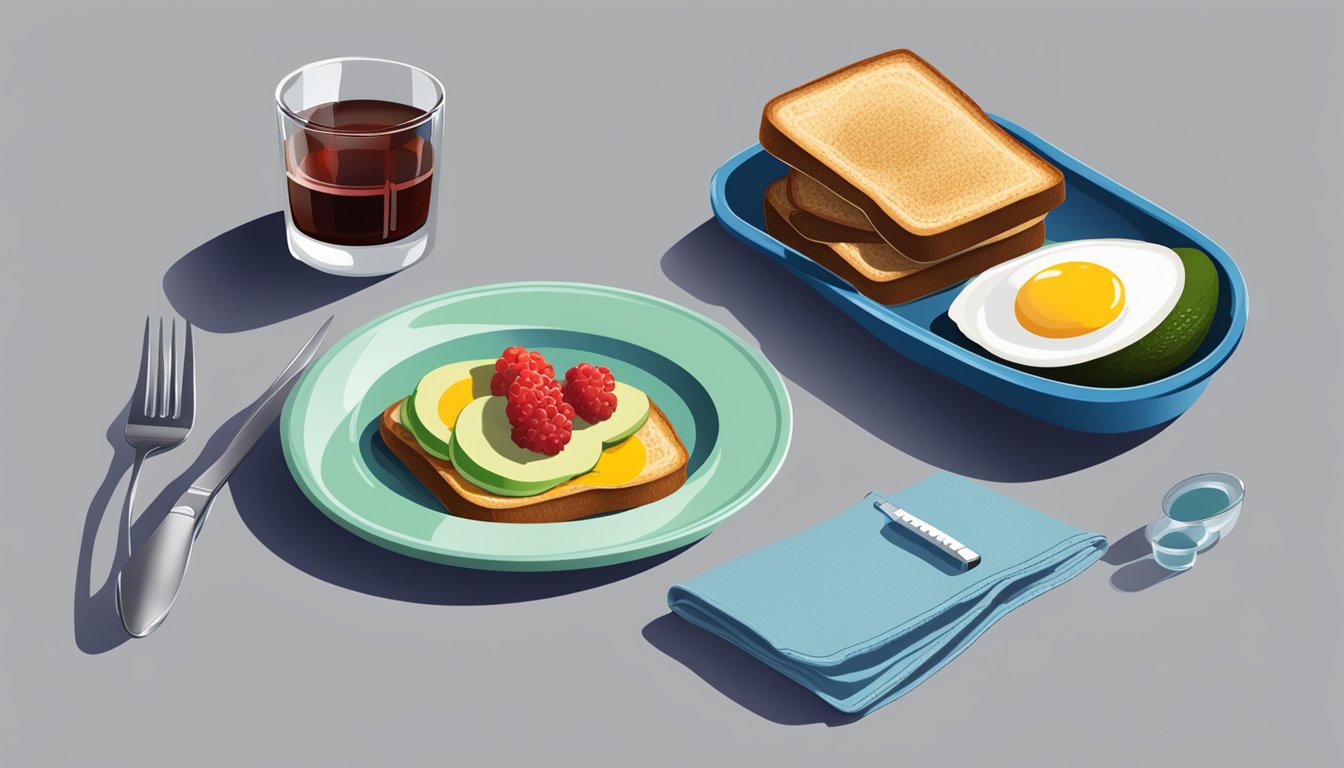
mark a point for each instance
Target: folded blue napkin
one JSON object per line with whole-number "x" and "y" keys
{"x": 859, "y": 611}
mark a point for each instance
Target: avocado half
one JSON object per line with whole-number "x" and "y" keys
{"x": 420, "y": 411}
{"x": 1165, "y": 347}
{"x": 483, "y": 451}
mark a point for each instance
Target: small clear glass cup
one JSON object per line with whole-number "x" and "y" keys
{"x": 1196, "y": 513}
{"x": 361, "y": 143}
{"x": 1176, "y": 544}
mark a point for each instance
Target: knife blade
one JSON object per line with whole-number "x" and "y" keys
{"x": 148, "y": 585}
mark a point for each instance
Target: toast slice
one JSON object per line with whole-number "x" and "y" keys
{"x": 664, "y": 471}
{"x": 814, "y": 205}
{"x": 820, "y": 214}
{"x": 882, "y": 273}
{"x": 933, "y": 173}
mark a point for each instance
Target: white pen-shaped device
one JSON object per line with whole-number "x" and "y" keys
{"x": 963, "y": 554}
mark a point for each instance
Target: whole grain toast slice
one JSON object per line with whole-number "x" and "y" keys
{"x": 664, "y": 471}
{"x": 930, "y": 170}
{"x": 881, "y": 272}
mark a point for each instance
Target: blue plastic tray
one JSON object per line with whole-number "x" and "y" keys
{"x": 1095, "y": 206}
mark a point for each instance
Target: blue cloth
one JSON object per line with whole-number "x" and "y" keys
{"x": 859, "y": 611}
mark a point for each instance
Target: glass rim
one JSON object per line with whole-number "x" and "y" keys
{"x": 320, "y": 128}
{"x": 1224, "y": 481}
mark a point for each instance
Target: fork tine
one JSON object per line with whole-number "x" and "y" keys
{"x": 140, "y": 397}
{"x": 173, "y": 386}
{"x": 165, "y": 362}
{"x": 186, "y": 395}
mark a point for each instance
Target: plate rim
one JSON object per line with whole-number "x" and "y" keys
{"x": 610, "y": 554}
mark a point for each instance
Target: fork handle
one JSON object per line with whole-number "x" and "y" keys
{"x": 147, "y": 587}
{"x": 129, "y": 511}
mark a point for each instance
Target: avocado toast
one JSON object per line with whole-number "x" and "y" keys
{"x": 460, "y": 433}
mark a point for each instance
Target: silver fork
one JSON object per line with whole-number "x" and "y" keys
{"x": 162, "y": 406}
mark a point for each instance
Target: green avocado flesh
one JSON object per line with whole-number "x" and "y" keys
{"x": 632, "y": 410}
{"x": 482, "y": 446}
{"x": 1165, "y": 347}
{"x": 420, "y": 412}
{"x": 483, "y": 451}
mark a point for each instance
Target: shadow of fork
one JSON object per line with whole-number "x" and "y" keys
{"x": 97, "y": 627}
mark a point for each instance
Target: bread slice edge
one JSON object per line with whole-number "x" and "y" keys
{"x": 559, "y": 504}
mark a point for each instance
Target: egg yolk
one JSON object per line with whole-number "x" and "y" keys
{"x": 618, "y": 465}
{"x": 1069, "y": 299}
{"x": 453, "y": 400}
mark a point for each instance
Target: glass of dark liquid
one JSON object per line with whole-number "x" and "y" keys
{"x": 360, "y": 140}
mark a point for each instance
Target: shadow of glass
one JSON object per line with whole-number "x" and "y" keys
{"x": 1136, "y": 569}
{"x": 285, "y": 522}
{"x": 735, "y": 674}
{"x": 934, "y": 419}
{"x": 1140, "y": 575}
{"x": 1128, "y": 548}
{"x": 246, "y": 278}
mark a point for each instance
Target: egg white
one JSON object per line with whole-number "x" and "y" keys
{"x": 1152, "y": 274}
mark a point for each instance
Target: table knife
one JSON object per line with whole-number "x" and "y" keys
{"x": 148, "y": 584}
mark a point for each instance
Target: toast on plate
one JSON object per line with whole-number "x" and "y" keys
{"x": 663, "y": 472}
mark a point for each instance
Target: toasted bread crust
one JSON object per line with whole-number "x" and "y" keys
{"x": 823, "y": 215}
{"x": 916, "y": 283}
{"x": 814, "y": 227}
{"x": 554, "y": 506}
{"x": 922, "y": 246}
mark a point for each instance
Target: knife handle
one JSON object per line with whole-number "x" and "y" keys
{"x": 148, "y": 585}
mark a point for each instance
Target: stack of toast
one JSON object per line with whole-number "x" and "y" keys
{"x": 898, "y": 182}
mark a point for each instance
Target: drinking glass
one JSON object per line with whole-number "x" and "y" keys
{"x": 361, "y": 143}
{"x": 1176, "y": 544}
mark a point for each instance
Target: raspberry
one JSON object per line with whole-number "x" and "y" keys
{"x": 589, "y": 389}
{"x": 513, "y": 360}
{"x": 541, "y": 419}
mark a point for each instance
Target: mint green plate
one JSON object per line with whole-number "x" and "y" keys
{"x": 725, "y": 400}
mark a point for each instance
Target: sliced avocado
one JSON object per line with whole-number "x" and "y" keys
{"x": 632, "y": 410}
{"x": 484, "y": 452}
{"x": 1165, "y": 347}
{"x": 400, "y": 415}
{"x": 424, "y": 412}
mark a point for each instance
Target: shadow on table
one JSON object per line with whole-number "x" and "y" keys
{"x": 737, "y": 675}
{"x": 1135, "y": 568}
{"x": 1140, "y": 574}
{"x": 285, "y": 522}
{"x": 97, "y": 626}
{"x": 814, "y": 344}
{"x": 246, "y": 278}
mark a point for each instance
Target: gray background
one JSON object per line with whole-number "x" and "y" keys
{"x": 137, "y": 137}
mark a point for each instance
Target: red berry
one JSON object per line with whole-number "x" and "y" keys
{"x": 541, "y": 419}
{"x": 589, "y": 388}
{"x": 513, "y": 360}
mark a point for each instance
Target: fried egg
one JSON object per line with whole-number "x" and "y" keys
{"x": 1070, "y": 302}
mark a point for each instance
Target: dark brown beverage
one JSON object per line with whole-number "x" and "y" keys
{"x": 354, "y": 177}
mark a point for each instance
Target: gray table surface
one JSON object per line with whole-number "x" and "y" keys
{"x": 141, "y": 176}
